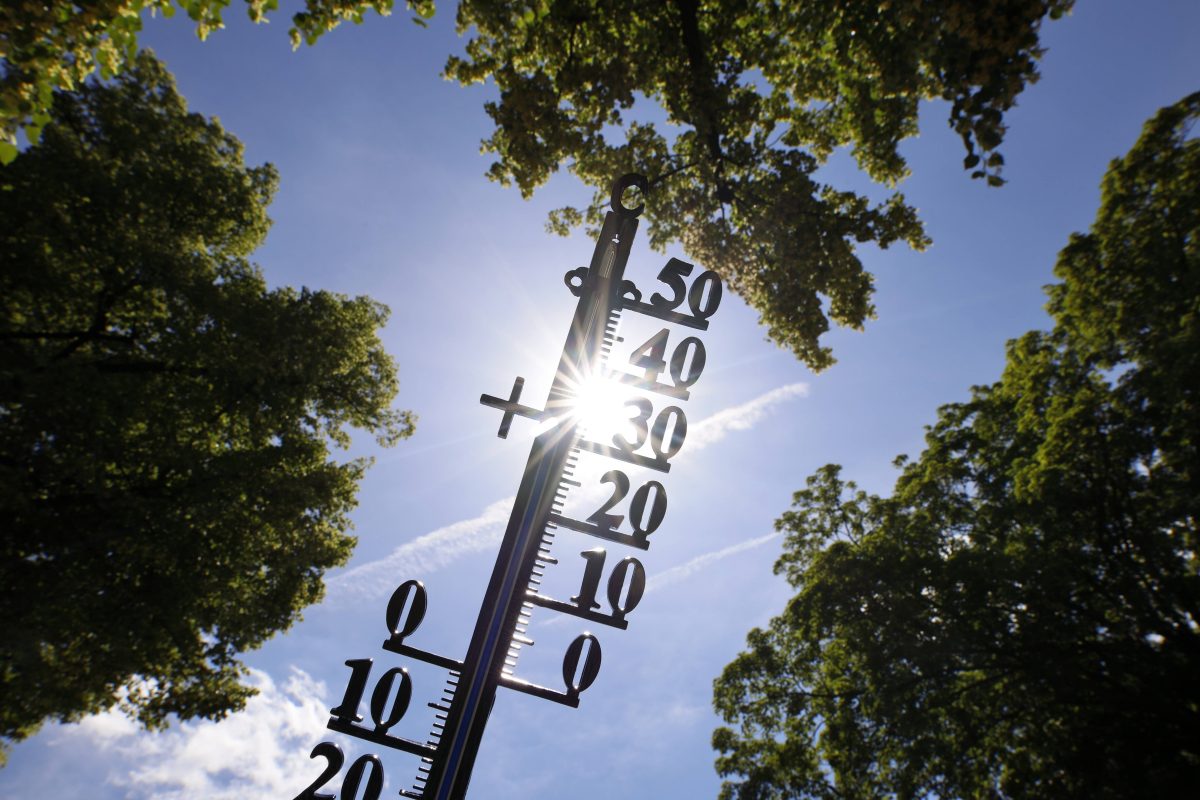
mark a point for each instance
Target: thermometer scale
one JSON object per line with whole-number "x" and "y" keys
{"x": 655, "y": 435}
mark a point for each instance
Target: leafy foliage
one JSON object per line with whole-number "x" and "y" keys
{"x": 57, "y": 44}
{"x": 756, "y": 95}
{"x": 1021, "y": 618}
{"x": 166, "y": 493}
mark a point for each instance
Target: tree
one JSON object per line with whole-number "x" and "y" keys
{"x": 756, "y": 96}
{"x": 1021, "y": 617}
{"x": 58, "y": 44}
{"x": 167, "y": 499}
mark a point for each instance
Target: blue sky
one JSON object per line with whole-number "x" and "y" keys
{"x": 383, "y": 194}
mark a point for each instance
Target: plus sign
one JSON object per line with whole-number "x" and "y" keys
{"x": 510, "y": 407}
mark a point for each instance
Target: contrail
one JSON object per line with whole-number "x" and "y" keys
{"x": 425, "y": 554}
{"x": 713, "y": 429}
{"x": 676, "y": 574}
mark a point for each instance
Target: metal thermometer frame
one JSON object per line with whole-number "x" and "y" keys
{"x": 505, "y": 600}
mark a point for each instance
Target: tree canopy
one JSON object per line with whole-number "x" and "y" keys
{"x": 167, "y": 495}
{"x": 741, "y": 101}
{"x": 1021, "y": 617}
{"x": 754, "y": 96}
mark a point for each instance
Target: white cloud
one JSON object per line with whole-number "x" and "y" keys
{"x": 259, "y": 753}
{"x": 441, "y": 547}
{"x": 684, "y": 570}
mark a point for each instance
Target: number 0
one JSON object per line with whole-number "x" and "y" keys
{"x": 354, "y": 777}
{"x": 679, "y": 366}
{"x": 644, "y": 525}
{"x": 705, "y": 305}
{"x": 673, "y": 416}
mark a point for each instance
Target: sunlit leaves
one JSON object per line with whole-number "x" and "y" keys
{"x": 755, "y": 97}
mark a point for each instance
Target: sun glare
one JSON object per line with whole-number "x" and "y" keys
{"x": 599, "y": 407}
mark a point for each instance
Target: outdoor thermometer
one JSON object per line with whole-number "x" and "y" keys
{"x": 652, "y": 383}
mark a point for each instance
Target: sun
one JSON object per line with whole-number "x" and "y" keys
{"x": 599, "y": 406}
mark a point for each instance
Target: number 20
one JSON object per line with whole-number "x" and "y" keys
{"x": 643, "y": 525}
{"x": 333, "y": 754}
